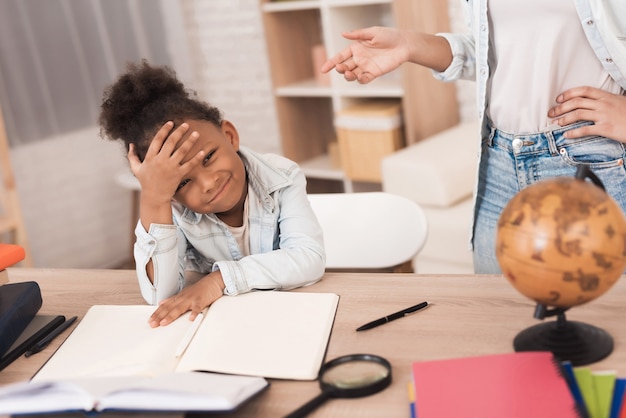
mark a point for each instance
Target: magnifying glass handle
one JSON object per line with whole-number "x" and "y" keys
{"x": 310, "y": 406}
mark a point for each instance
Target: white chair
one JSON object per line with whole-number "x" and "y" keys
{"x": 373, "y": 230}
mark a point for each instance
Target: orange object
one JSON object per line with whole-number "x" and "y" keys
{"x": 561, "y": 242}
{"x": 10, "y": 254}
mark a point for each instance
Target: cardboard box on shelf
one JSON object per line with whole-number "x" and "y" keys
{"x": 333, "y": 152}
{"x": 367, "y": 132}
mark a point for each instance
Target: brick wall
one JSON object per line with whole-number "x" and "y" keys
{"x": 230, "y": 63}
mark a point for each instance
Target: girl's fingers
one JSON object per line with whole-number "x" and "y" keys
{"x": 174, "y": 138}
{"x": 157, "y": 142}
{"x": 197, "y": 159}
{"x": 133, "y": 159}
{"x": 180, "y": 152}
{"x": 169, "y": 147}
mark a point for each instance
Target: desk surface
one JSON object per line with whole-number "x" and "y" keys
{"x": 470, "y": 315}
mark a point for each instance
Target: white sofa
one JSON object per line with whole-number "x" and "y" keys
{"x": 439, "y": 173}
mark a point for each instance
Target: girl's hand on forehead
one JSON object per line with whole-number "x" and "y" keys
{"x": 163, "y": 169}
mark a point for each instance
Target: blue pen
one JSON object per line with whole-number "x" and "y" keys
{"x": 48, "y": 338}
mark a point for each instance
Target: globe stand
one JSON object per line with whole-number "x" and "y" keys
{"x": 577, "y": 342}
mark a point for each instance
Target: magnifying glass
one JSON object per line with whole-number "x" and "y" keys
{"x": 351, "y": 376}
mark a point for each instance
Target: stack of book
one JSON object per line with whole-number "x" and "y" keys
{"x": 523, "y": 384}
{"x": 10, "y": 254}
{"x": 602, "y": 392}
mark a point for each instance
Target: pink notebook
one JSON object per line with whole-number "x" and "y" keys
{"x": 524, "y": 384}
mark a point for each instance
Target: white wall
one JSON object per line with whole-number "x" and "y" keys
{"x": 77, "y": 216}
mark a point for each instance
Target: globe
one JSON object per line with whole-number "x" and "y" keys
{"x": 562, "y": 242}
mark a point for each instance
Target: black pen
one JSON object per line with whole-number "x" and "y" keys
{"x": 393, "y": 316}
{"x": 31, "y": 341}
{"x": 43, "y": 343}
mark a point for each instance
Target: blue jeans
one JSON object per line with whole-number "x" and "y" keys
{"x": 510, "y": 162}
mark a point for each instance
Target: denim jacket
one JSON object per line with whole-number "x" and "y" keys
{"x": 286, "y": 243}
{"x": 604, "y": 23}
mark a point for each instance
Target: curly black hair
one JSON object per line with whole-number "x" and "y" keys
{"x": 142, "y": 100}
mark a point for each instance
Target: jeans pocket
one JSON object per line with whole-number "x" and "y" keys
{"x": 596, "y": 152}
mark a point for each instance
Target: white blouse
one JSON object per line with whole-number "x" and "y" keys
{"x": 540, "y": 50}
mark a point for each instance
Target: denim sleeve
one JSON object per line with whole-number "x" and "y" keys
{"x": 299, "y": 259}
{"x": 159, "y": 244}
{"x": 463, "y": 65}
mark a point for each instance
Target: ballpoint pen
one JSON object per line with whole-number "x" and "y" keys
{"x": 43, "y": 343}
{"x": 392, "y": 317}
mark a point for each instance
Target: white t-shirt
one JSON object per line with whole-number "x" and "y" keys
{"x": 540, "y": 50}
{"x": 242, "y": 233}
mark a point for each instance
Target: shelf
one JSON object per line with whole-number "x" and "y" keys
{"x": 307, "y": 88}
{"x": 322, "y": 168}
{"x": 286, "y": 6}
{"x": 310, "y": 88}
{"x": 377, "y": 88}
{"x": 344, "y": 3}
{"x": 306, "y": 103}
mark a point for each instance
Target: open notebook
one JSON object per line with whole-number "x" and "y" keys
{"x": 256, "y": 335}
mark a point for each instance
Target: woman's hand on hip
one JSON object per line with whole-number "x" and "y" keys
{"x": 606, "y": 110}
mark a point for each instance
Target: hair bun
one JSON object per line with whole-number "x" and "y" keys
{"x": 143, "y": 84}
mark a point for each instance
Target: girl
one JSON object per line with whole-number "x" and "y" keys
{"x": 207, "y": 203}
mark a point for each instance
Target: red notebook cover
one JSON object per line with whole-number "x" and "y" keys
{"x": 10, "y": 254}
{"x": 524, "y": 384}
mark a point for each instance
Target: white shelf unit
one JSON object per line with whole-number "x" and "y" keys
{"x": 306, "y": 107}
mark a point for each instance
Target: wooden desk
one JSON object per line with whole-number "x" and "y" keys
{"x": 470, "y": 315}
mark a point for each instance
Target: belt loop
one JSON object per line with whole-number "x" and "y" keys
{"x": 554, "y": 151}
{"x": 490, "y": 136}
